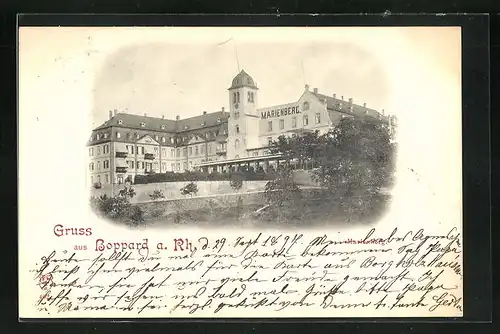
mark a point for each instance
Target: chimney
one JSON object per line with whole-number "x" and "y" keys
{"x": 114, "y": 112}
{"x": 383, "y": 112}
{"x": 315, "y": 90}
{"x": 177, "y": 117}
{"x": 364, "y": 105}
{"x": 342, "y": 97}
{"x": 222, "y": 108}
{"x": 204, "y": 112}
{"x": 110, "y": 114}
{"x": 350, "y": 100}
{"x": 306, "y": 88}
{"x": 334, "y": 95}
{"x": 162, "y": 116}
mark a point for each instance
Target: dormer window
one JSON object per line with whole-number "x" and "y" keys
{"x": 163, "y": 139}
{"x": 120, "y": 122}
{"x": 172, "y": 140}
{"x": 163, "y": 127}
{"x": 118, "y": 135}
{"x": 143, "y": 124}
{"x": 340, "y": 105}
{"x": 97, "y": 137}
{"x": 186, "y": 127}
{"x": 105, "y": 136}
{"x": 137, "y": 136}
{"x": 202, "y": 123}
{"x": 156, "y": 137}
{"x": 218, "y": 119}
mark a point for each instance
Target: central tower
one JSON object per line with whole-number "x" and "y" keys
{"x": 243, "y": 123}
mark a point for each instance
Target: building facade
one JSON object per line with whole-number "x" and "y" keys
{"x": 127, "y": 145}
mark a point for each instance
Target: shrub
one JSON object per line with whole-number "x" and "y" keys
{"x": 127, "y": 192}
{"x": 189, "y": 189}
{"x": 137, "y": 215}
{"x": 97, "y": 185}
{"x": 236, "y": 182}
{"x": 157, "y": 194}
{"x": 118, "y": 207}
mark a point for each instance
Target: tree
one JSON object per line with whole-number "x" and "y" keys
{"x": 301, "y": 148}
{"x": 282, "y": 189}
{"x": 236, "y": 183}
{"x": 356, "y": 155}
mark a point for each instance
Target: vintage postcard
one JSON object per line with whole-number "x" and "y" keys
{"x": 210, "y": 172}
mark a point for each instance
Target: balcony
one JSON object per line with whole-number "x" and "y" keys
{"x": 221, "y": 150}
{"x": 121, "y": 169}
{"x": 149, "y": 156}
{"x": 121, "y": 154}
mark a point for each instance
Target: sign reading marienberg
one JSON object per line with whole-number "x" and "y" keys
{"x": 280, "y": 112}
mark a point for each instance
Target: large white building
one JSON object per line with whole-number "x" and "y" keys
{"x": 127, "y": 145}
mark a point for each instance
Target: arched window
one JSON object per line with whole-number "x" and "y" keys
{"x": 237, "y": 144}
{"x": 305, "y": 106}
{"x": 238, "y": 97}
{"x": 234, "y": 98}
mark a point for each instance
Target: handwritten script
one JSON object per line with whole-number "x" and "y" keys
{"x": 260, "y": 275}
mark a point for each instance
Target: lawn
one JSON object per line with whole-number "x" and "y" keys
{"x": 315, "y": 209}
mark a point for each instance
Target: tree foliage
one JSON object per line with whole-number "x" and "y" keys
{"x": 356, "y": 155}
{"x": 282, "y": 189}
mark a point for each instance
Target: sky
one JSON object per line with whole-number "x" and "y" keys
{"x": 185, "y": 71}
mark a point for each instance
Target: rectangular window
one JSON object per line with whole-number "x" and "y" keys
{"x": 141, "y": 150}
{"x": 294, "y": 122}
{"x": 143, "y": 165}
{"x": 91, "y": 152}
{"x": 318, "y": 118}
{"x": 237, "y": 127}
{"x": 178, "y": 166}
{"x": 106, "y": 178}
{"x": 172, "y": 154}
{"x": 282, "y": 124}
{"x": 202, "y": 149}
{"x": 270, "y": 126}
{"x": 209, "y": 148}
{"x": 306, "y": 120}
{"x": 137, "y": 165}
{"x": 98, "y": 165}
{"x": 184, "y": 151}
{"x": 185, "y": 166}
{"x": 164, "y": 152}
{"x": 173, "y": 167}
{"x": 196, "y": 150}
{"x": 190, "y": 151}
{"x": 178, "y": 153}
